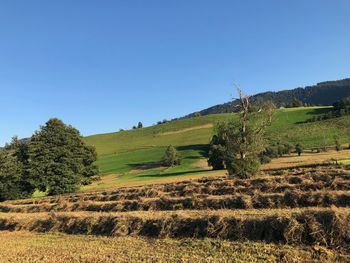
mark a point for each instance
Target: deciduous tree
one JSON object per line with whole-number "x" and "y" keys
{"x": 59, "y": 160}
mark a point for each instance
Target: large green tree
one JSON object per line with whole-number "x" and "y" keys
{"x": 59, "y": 160}
{"x": 241, "y": 143}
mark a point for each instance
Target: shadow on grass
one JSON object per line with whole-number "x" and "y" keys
{"x": 316, "y": 112}
{"x": 319, "y": 111}
{"x": 202, "y": 149}
{"x": 145, "y": 166}
{"x": 170, "y": 174}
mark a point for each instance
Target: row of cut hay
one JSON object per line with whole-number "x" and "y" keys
{"x": 326, "y": 168}
{"x": 324, "y": 178}
{"x": 192, "y": 191}
{"x": 327, "y": 227}
{"x": 289, "y": 199}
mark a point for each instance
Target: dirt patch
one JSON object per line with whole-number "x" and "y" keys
{"x": 147, "y": 166}
{"x": 206, "y": 126}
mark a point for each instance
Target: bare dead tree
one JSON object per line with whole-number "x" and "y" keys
{"x": 244, "y": 100}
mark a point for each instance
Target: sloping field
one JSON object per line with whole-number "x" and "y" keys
{"x": 124, "y": 153}
{"x": 200, "y": 169}
{"x": 194, "y": 131}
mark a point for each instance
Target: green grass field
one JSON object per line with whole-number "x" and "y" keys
{"x": 134, "y": 155}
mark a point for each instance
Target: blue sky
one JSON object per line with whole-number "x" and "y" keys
{"x": 105, "y": 65}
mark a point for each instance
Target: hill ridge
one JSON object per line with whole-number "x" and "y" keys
{"x": 322, "y": 94}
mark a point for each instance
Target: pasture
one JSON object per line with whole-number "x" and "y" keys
{"x": 134, "y": 155}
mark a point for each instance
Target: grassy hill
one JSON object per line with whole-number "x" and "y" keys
{"x": 134, "y": 154}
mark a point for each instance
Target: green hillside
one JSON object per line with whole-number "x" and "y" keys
{"x": 135, "y": 153}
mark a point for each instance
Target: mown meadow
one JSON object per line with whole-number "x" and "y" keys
{"x": 284, "y": 215}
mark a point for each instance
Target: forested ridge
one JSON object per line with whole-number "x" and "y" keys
{"x": 323, "y": 94}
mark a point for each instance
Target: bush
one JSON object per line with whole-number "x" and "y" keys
{"x": 243, "y": 168}
{"x": 338, "y": 146}
{"x": 265, "y": 159}
{"x": 271, "y": 152}
{"x": 171, "y": 157}
{"x": 216, "y": 153}
{"x": 298, "y": 148}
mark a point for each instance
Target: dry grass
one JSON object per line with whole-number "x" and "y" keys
{"x": 327, "y": 227}
{"x": 29, "y": 247}
{"x": 304, "y": 207}
{"x": 287, "y": 199}
{"x": 307, "y": 158}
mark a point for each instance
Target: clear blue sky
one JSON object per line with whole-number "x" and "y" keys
{"x": 105, "y": 65}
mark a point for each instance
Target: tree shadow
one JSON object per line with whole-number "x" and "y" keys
{"x": 202, "y": 149}
{"x": 170, "y": 174}
{"x": 144, "y": 166}
{"x": 319, "y": 111}
{"x": 315, "y": 112}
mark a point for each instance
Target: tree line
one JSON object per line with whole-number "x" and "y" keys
{"x": 324, "y": 93}
{"x": 55, "y": 160}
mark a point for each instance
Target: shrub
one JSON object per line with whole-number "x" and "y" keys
{"x": 265, "y": 159}
{"x": 338, "y": 146}
{"x": 243, "y": 168}
{"x": 216, "y": 153}
{"x": 298, "y": 148}
{"x": 171, "y": 157}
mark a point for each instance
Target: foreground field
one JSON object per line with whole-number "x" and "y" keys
{"x": 30, "y": 247}
{"x": 295, "y": 214}
{"x": 291, "y": 210}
